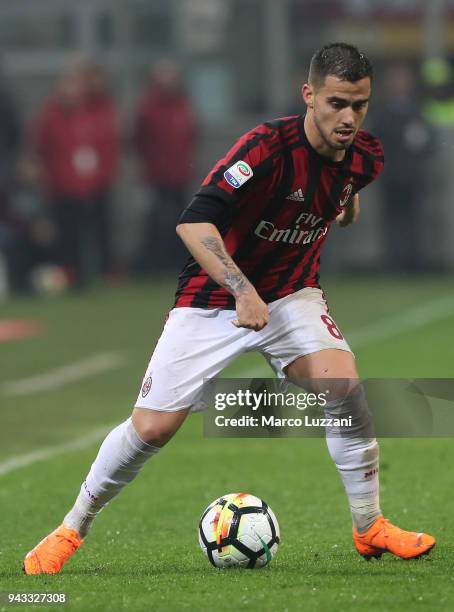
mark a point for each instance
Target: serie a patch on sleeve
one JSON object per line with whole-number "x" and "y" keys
{"x": 238, "y": 174}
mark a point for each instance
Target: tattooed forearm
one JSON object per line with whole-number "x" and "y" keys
{"x": 236, "y": 282}
{"x": 232, "y": 277}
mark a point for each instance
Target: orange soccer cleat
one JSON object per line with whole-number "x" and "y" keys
{"x": 383, "y": 537}
{"x": 49, "y": 556}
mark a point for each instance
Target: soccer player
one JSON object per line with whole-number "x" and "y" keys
{"x": 255, "y": 231}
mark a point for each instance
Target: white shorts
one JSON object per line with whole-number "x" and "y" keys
{"x": 197, "y": 344}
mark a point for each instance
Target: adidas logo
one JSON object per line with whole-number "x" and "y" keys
{"x": 296, "y": 196}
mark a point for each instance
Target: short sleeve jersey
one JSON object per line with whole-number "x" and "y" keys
{"x": 273, "y": 199}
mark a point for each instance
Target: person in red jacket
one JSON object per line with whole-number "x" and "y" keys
{"x": 164, "y": 136}
{"x": 77, "y": 143}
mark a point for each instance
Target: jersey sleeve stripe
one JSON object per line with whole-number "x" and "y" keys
{"x": 243, "y": 149}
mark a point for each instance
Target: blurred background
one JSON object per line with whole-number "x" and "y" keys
{"x": 111, "y": 113}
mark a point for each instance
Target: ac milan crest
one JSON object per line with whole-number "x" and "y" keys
{"x": 346, "y": 195}
{"x": 146, "y": 387}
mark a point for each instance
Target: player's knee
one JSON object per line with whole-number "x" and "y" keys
{"x": 157, "y": 428}
{"x": 153, "y": 433}
{"x": 338, "y": 388}
{"x": 328, "y": 371}
{"x": 333, "y": 388}
{"x": 353, "y": 408}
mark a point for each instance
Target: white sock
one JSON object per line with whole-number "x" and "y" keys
{"x": 355, "y": 452}
{"x": 357, "y": 463}
{"x": 120, "y": 458}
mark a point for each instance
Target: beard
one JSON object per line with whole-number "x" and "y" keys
{"x": 338, "y": 146}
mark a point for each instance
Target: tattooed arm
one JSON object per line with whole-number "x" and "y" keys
{"x": 205, "y": 244}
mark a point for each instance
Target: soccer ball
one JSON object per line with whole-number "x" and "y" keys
{"x": 239, "y": 530}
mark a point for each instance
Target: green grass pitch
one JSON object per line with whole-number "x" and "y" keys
{"x": 142, "y": 553}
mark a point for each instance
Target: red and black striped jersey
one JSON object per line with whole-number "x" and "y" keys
{"x": 273, "y": 199}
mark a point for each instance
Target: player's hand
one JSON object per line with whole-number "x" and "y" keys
{"x": 252, "y": 312}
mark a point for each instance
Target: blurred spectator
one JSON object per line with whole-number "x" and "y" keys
{"x": 164, "y": 137}
{"x": 38, "y": 257}
{"x": 408, "y": 144}
{"x": 314, "y": 12}
{"x": 26, "y": 235}
{"x": 13, "y": 261}
{"x": 439, "y": 92}
{"x": 438, "y": 108}
{"x": 77, "y": 143}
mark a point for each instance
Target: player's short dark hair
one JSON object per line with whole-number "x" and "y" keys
{"x": 343, "y": 61}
